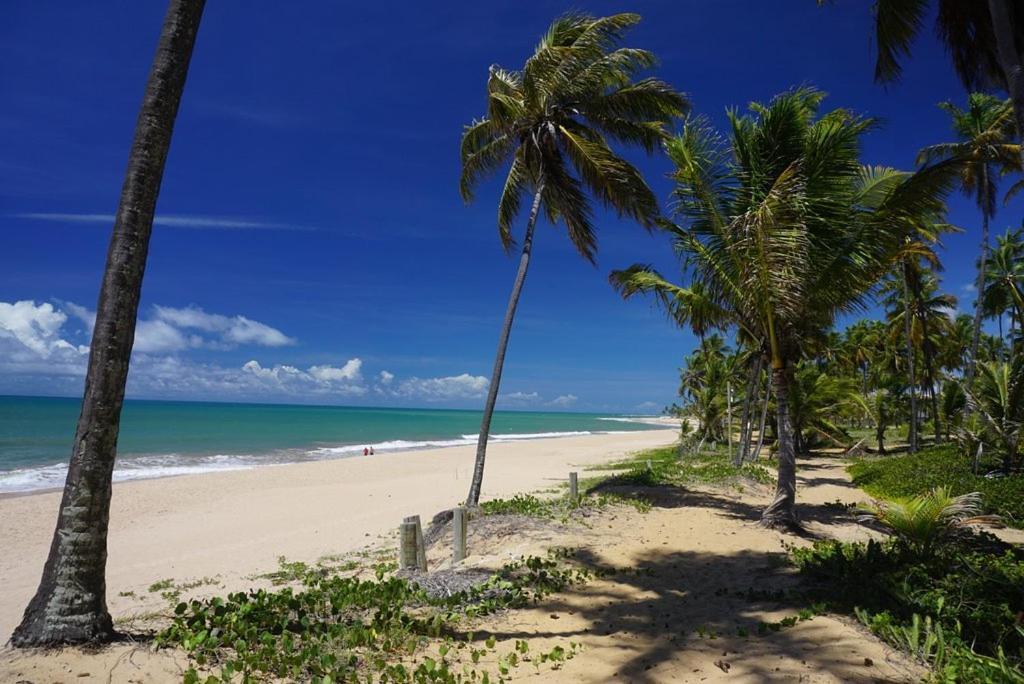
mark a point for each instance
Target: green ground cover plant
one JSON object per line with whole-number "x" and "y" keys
{"x": 675, "y": 465}
{"x": 331, "y": 628}
{"x": 958, "y": 608}
{"x": 908, "y": 475}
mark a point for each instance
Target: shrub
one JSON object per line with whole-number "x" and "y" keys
{"x": 959, "y": 610}
{"x": 911, "y": 475}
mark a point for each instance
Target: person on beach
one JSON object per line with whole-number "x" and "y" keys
{"x": 371, "y": 451}
{"x": 366, "y": 451}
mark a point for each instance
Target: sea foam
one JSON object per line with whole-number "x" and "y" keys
{"x": 168, "y": 465}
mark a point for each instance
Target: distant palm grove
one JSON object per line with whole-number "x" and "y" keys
{"x": 811, "y": 276}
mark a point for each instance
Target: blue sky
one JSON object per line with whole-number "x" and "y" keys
{"x": 312, "y": 244}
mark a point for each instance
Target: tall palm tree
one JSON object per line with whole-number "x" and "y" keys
{"x": 984, "y": 39}
{"x": 919, "y": 313}
{"x": 785, "y": 229}
{"x": 862, "y": 342}
{"x": 555, "y": 117}
{"x": 1004, "y": 291}
{"x": 70, "y": 605}
{"x": 982, "y": 151}
{"x": 703, "y": 388}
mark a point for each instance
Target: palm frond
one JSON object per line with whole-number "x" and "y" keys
{"x": 897, "y": 23}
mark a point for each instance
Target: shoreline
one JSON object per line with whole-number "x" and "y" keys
{"x": 336, "y": 452}
{"x": 231, "y": 524}
{"x": 134, "y": 466}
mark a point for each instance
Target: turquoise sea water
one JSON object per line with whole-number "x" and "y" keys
{"x": 160, "y": 438}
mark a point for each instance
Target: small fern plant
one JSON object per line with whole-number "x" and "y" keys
{"x": 921, "y": 522}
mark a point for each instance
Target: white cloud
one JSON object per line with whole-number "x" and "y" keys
{"x": 648, "y": 406}
{"x": 168, "y": 330}
{"x": 231, "y": 330}
{"x": 156, "y": 337}
{"x": 36, "y": 327}
{"x": 41, "y": 350}
{"x": 81, "y": 313}
{"x": 564, "y": 400}
{"x": 464, "y": 386}
{"x": 970, "y": 287}
{"x": 519, "y": 398}
{"x": 193, "y": 222}
{"x": 288, "y": 380}
{"x": 350, "y": 372}
{"x": 36, "y": 340}
{"x": 32, "y": 343}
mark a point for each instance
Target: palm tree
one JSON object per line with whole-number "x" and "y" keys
{"x": 998, "y": 399}
{"x": 817, "y": 400}
{"x": 786, "y": 230}
{"x": 1004, "y": 290}
{"x": 551, "y": 119}
{"x": 883, "y": 407}
{"x": 954, "y": 349}
{"x": 953, "y": 402}
{"x": 919, "y": 313}
{"x": 920, "y": 522}
{"x": 982, "y": 151}
{"x": 688, "y": 307}
{"x": 984, "y": 39}
{"x": 70, "y": 605}
{"x": 862, "y": 342}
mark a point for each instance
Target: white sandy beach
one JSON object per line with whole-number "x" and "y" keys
{"x": 233, "y": 524}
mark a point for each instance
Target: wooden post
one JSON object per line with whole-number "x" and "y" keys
{"x": 574, "y": 487}
{"x": 421, "y": 550}
{"x": 407, "y": 549}
{"x": 458, "y": 534}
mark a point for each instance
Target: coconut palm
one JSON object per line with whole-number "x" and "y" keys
{"x": 920, "y": 314}
{"x": 688, "y": 307}
{"x": 1004, "y": 291}
{"x": 70, "y": 605}
{"x": 955, "y": 348}
{"x": 952, "y": 405}
{"x": 998, "y": 399}
{"x": 550, "y": 123}
{"x": 883, "y": 408}
{"x": 983, "y": 151}
{"x": 785, "y": 230}
{"x": 919, "y": 523}
{"x": 984, "y": 39}
{"x": 817, "y": 402}
{"x": 703, "y": 388}
{"x": 862, "y": 344}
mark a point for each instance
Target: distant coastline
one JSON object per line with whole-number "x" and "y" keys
{"x": 173, "y": 438}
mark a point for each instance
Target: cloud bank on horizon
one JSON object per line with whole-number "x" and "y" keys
{"x": 44, "y": 350}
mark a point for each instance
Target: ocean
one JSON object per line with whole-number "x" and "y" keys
{"x": 162, "y": 438}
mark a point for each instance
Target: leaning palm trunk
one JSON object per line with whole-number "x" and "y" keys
{"x": 911, "y": 375}
{"x": 746, "y": 427}
{"x": 764, "y": 419}
{"x": 972, "y": 362}
{"x": 781, "y": 512}
{"x": 929, "y": 369}
{"x": 1009, "y": 61}
{"x": 473, "y": 499}
{"x": 70, "y": 605}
